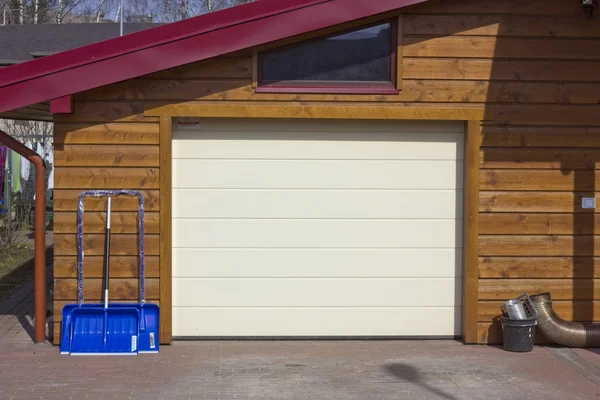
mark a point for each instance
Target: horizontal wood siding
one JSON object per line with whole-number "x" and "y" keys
{"x": 533, "y": 66}
{"x": 527, "y": 63}
{"x": 104, "y": 146}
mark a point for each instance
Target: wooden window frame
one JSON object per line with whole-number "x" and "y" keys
{"x": 336, "y": 87}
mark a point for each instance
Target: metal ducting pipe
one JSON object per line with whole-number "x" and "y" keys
{"x": 566, "y": 333}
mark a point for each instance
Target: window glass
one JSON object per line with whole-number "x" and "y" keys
{"x": 363, "y": 55}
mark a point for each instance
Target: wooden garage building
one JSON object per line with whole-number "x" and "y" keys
{"x": 333, "y": 168}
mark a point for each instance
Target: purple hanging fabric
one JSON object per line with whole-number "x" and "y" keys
{"x": 3, "y": 153}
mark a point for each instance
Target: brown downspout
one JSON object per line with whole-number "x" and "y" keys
{"x": 40, "y": 234}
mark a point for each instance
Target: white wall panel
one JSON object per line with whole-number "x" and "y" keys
{"x": 317, "y": 263}
{"x": 316, "y": 233}
{"x": 240, "y": 203}
{"x": 316, "y": 292}
{"x": 316, "y": 174}
{"x": 319, "y": 321}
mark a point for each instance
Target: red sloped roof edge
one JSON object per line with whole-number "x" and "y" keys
{"x": 176, "y": 44}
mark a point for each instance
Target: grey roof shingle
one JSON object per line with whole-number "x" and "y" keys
{"x": 19, "y": 43}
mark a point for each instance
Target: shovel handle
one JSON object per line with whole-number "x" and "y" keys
{"x": 80, "y": 253}
{"x": 107, "y": 255}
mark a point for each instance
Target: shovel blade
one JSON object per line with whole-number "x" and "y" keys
{"x": 100, "y": 331}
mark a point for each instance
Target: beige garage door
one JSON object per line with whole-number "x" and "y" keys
{"x": 316, "y": 228}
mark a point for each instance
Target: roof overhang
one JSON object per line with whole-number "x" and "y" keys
{"x": 176, "y": 44}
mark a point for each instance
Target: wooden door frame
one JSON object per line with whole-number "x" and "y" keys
{"x": 472, "y": 118}
{"x": 166, "y": 230}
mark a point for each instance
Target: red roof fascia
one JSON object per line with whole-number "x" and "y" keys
{"x": 176, "y": 44}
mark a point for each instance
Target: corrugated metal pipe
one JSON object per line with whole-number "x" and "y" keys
{"x": 566, "y": 333}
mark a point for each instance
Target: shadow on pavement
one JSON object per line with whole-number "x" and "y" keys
{"x": 412, "y": 374}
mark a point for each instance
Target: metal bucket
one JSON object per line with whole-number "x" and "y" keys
{"x": 515, "y": 309}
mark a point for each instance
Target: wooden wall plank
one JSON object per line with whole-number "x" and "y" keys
{"x": 500, "y": 25}
{"x": 216, "y": 68}
{"x": 106, "y": 178}
{"x": 68, "y": 200}
{"x": 166, "y": 91}
{"x": 106, "y": 156}
{"x": 414, "y": 90}
{"x": 121, "y": 245}
{"x": 500, "y": 70}
{"x": 538, "y": 245}
{"x": 501, "y": 47}
{"x": 491, "y": 333}
{"x": 325, "y": 110}
{"x": 56, "y": 333}
{"x": 59, "y": 305}
{"x": 578, "y": 310}
{"x": 470, "y": 232}
{"x": 120, "y": 289}
{"x": 551, "y": 7}
{"x": 537, "y": 224}
{"x": 171, "y": 89}
{"x": 120, "y": 267}
{"x": 166, "y": 229}
{"x": 561, "y": 289}
{"x": 540, "y": 136}
{"x": 534, "y": 180}
{"x": 539, "y": 267}
{"x": 466, "y": 91}
{"x": 556, "y": 114}
{"x": 110, "y": 133}
{"x": 95, "y": 222}
{"x": 560, "y": 202}
{"x": 565, "y": 115}
{"x": 254, "y": 71}
{"x": 88, "y": 111}
{"x": 539, "y": 158}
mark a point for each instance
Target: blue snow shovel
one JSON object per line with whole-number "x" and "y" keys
{"x": 97, "y": 329}
{"x": 148, "y": 314}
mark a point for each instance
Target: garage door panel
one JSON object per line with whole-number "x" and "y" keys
{"x": 316, "y": 174}
{"x": 317, "y": 263}
{"x": 317, "y": 228}
{"x": 388, "y": 321}
{"x": 211, "y": 203}
{"x": 257, "y": 127}
{"x": 316, "y": 292}
{"x": 317, "y": 145}
{"x": 301, "y": 233}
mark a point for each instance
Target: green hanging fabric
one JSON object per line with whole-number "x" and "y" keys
{"x": 16, "y": 172}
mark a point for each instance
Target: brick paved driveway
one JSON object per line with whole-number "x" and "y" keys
{"x": 301, "y": 370}
{"x": 290, "y": 370}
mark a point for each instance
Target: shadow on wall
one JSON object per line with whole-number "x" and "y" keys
{"x": 409, "y": 374}
{"x": 529, "y": 63}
